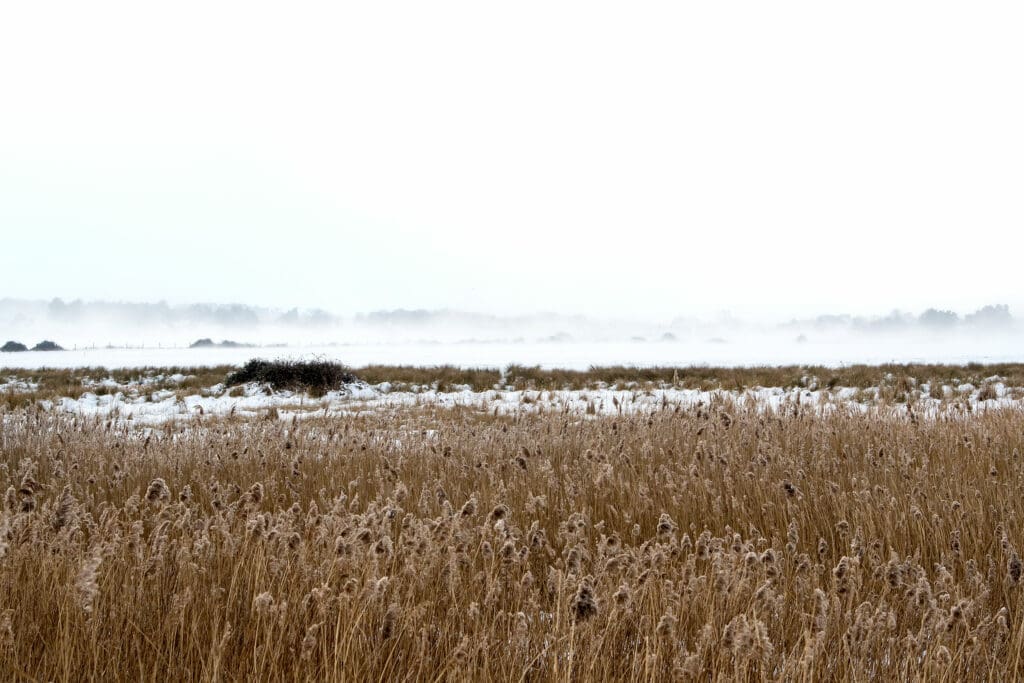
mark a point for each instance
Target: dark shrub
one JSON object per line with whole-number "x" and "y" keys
{"x": 47, "y": 346}
{"x": 207, "y": 343}
{"x": 317, "y": 376}
{"x": 12, "y": 346}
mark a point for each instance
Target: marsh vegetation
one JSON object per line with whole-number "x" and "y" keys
{"x": 725, "y": 541}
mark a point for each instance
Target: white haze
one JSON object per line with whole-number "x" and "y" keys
{"x": 131, "y": 335}
{"x": 634, "y": 159}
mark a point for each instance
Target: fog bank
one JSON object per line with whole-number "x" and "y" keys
{"x": 131, "y": 334}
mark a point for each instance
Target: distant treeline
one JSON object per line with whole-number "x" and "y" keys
{"x": 15, "y": 313}
{"x": 993, "y": 316}
{"x": 421, "y": 316}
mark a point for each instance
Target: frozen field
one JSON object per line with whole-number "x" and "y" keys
{"x": 759, "y": 350}
{"x": 139, "y": 403}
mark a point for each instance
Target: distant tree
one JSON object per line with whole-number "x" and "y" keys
{"x": 990, "y": 316}
{"x": 318, "y": 316}
{"x": 237, "y": 314}
{"x": 830, "y": 320}
{"x": 57, "y": 308}
{"x": 290, "y": 317}
{"x": 399, "y": 316}
{"x": 938, "y": 319}
{"x": 896, "y": 320}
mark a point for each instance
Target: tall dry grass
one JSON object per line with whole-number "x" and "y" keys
{"x": 723, "y": 542}
{"x": 54, "y": 383}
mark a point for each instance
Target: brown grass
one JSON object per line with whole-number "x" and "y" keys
{"x": 73, "y": 382}
{"x": 721, "y": 543}
{"x": 56, "y": 383}
{"x": 442, "y": 377}
{"x": 901, "y": 377}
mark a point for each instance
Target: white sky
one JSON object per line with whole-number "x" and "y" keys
{"x": 773, "y": 157}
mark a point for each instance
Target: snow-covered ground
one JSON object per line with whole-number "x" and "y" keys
{"x": 727, "y": 352}
{"x": 140, "y": 404}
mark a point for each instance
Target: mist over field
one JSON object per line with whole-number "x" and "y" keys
{"x": 123, "y": 334}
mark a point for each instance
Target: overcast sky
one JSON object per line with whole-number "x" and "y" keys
{"x": 780, "y": 157}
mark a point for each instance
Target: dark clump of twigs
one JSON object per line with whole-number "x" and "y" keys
{"x": 316, "y": 376}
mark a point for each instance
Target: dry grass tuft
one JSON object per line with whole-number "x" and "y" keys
{"x": 726, "y": 542}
